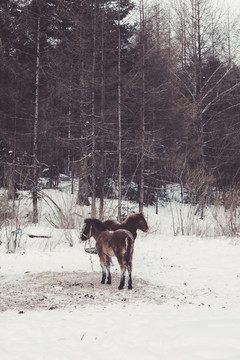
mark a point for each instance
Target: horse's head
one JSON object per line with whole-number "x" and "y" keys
{"x": 142, "y": 223}
{"x": 86, "y": 230}
{"x": 92, "y": 227}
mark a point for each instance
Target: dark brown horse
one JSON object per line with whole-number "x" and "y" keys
{"x": 132, "y": 223}
{"x": 119, "y": 243}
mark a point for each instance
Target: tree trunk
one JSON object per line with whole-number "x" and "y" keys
{"x": 119, "y": 121}
{"x": 83, "y": 189}
{"x": 81, "y": 165}
{"x": 93, "y": 209}
{"x": 35, "y": 129}
{"x": 101, "y": 180}
{"x": 142, "y": 113}
{"x": 69, "y": 124}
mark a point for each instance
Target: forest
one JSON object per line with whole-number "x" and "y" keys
{"x": 123, "y": 98}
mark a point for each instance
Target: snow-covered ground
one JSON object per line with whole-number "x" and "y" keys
{"x": 185, "y": 302}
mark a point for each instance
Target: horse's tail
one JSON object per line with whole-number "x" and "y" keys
{"x": 129, "y": 244}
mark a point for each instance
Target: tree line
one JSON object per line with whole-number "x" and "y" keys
{"x": 124, "y": 106}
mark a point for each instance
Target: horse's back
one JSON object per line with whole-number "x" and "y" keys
{"x": 122, "y": 232}
{"x": 103, "y": 243}
{"x": 112, "y": 224}
{"x": 120, "y": 235}
{"x": 123, "y": 245}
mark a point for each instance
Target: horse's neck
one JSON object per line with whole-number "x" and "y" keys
{"x": 96, "y": 233}
{"x": 130, "y": 225}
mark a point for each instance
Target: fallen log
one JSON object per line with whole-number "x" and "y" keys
{"x": 39, "y": 236}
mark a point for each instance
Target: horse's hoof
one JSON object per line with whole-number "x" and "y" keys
{"x": 102, "y": 282}
{"x": 129, "y": 287}
{"x": 120, "y": 287}
{"x": 109, "y": 283}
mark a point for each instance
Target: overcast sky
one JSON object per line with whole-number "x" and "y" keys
{"x": 233, "y": 4}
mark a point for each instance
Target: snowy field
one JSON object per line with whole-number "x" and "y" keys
{"x": 185, "y": 302}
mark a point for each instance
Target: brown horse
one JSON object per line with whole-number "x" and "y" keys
{"x": 132, "y": 223}
{"x": 119, "y": 243}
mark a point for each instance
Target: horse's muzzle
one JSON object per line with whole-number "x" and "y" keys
{"x": 83, "y": 237}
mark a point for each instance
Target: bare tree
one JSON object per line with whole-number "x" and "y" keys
{"x": 35, "y": 128}
{"x": 201, "y": 87}
{"x": 119, "y": 120}
{"x": 93, "y": 110}
{"x": 102, "y": 113}
{"x": 142, "y": 108}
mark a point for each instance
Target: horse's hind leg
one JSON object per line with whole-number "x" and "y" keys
{"x": 122, "y": 280}
{"x": 107, "y": 264}
{"x": 103, "y": 266}
{"x": 103, "y": 273}
{"x": 129, "y": 267}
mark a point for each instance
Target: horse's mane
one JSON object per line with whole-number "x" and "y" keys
{"x": 99, "y": 224}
